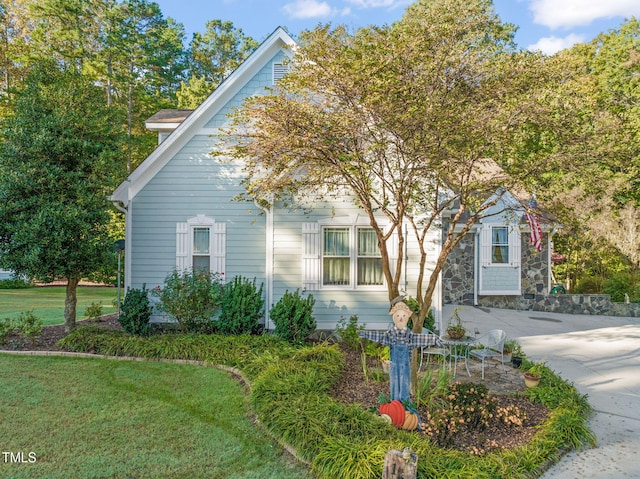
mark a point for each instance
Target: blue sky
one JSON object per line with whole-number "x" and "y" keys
{"x": 546, "y": 25}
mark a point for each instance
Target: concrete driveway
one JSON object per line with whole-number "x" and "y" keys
{"x": 601, "y": 356}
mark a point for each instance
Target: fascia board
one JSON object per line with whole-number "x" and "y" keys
{"x": 162, "y": 126}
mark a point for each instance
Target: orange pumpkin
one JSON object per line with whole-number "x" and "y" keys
{"x": 410, "y": 421}
{"x": 395, "y": 410}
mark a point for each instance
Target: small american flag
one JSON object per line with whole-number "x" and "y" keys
{"x": 535, "y": 232}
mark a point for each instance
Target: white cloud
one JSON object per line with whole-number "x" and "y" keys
{"x": 391, "y": 4}
{"x": 551, "y": 45}
{"x": 572, "y": 13}
{"x": 307, "y": 9}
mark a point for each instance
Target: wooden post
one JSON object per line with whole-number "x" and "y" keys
{"x": 400, "y": 465}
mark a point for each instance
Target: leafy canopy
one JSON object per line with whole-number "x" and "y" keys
{"x": 403, "y": 119}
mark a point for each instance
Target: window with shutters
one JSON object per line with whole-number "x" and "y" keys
{"x": 500, "y": 246}
{"x": 351, "y": 256}
{"x": 342, "y": 254}
{"x": 200, "y": 245}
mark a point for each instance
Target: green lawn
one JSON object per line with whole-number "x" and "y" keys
{"x": 94, "y": 418}
{"x": 48, "y": 302}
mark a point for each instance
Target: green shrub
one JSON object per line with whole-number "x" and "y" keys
{"x": 93, "y": 311}
{"x": 28, "y": 326}
{"x": 292, "y": 317}
{"x": 617, "y": 286}
{"x": 191, "y": 298}
{"x": 15, "y": 283}
{"x": 348, "y": 330}
{"x": 7, "y": 327}
{"x": 242, "y": 307}
{"x": 588, "y": 285}
{"x": 136, "y": 312}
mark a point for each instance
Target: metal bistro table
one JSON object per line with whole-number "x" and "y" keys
{"x": 458, "y": 349}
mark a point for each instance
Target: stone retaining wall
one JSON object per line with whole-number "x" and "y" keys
{"x": 599, "y": 304}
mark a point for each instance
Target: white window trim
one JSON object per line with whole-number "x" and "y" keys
{"x": 217, "y": 243}
{"x": 486, "y": 246}
{"x": 515, "y": 259}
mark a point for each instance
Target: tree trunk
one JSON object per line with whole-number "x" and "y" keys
{"x": 70, "y": 304}
{"x": 400, "y": 465}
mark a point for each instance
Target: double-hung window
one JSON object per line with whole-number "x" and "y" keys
{"x": 201, "y": 245}
{"x": 500, "y": 245}
{"x": 351, "y": 257}
{"x": 201, "y": 258}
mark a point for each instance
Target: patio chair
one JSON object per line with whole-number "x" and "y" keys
{"x": 492, "y": 346}
{"x": 436, "y": 350}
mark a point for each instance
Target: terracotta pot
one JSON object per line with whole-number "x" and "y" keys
{"x": 531, "y": 380}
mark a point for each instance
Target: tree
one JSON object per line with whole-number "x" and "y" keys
{"x": 597, "y": 198}
{"x": 213, "y": 54}
{"x": 403, "y": 118}
{"x": 141, "y": 66}
{"x": 56, "y": 159}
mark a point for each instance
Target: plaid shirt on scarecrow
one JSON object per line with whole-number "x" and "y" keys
{"x": 401, "y": 336}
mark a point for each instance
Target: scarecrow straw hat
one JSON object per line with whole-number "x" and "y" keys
{"x": 399, "y": 306}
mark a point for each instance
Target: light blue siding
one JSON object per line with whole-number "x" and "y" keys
{"x": 372, "y": 307}
{"x": 500, "y": 278}
{"x": 253, "y": 87}
{"x": 183, "y": 191}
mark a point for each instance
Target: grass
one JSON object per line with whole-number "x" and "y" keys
{"x": 98, "y": 418}
{"x": 47, "y": 303}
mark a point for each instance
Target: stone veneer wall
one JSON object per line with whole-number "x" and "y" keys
{"x": 457, "y": 274}
{"x": 458, "y": 279}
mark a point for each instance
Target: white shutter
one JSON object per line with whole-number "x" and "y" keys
{"x": 182, "y": 246}
{"x": 485, "y": 245}
{"x": 311, "y": 257}
{"x": 515, "y": 247}
{"x": 219, "y": 247}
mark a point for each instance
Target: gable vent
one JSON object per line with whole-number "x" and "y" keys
{"x": 279, "y": 70}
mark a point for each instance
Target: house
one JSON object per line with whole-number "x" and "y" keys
{"x": 181, "y": 212}
{"x": 6, "y": 274}
{"x": 496, "y": 265}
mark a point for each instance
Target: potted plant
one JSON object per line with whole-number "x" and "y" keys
{"x": 532, "y": 375}
{"x": 455, "y": 329}
{"x": 516, "y": 354}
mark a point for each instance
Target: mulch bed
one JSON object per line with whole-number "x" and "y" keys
{"x": 52, "y": 334}
{"x": 506, "y": 388}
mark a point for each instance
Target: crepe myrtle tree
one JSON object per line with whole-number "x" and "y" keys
{"x": 57, "y": 159}
{"x": 419, "y": 121}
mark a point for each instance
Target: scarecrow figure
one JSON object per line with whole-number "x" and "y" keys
{"x": 401, "y": 341}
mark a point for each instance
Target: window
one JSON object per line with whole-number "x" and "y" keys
{"x": 201, "y": 245}
{"x": 201, "y": 249}
{"x": 336, "y": 258}
{"x": 499, "y": 245}
{"x": 369, "y": 259}
{"x": 351, "y": 255}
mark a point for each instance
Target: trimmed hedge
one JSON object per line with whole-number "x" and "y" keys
{"x": 290, "y": 394}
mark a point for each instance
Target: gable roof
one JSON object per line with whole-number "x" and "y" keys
{"x": 195, "y": 121}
